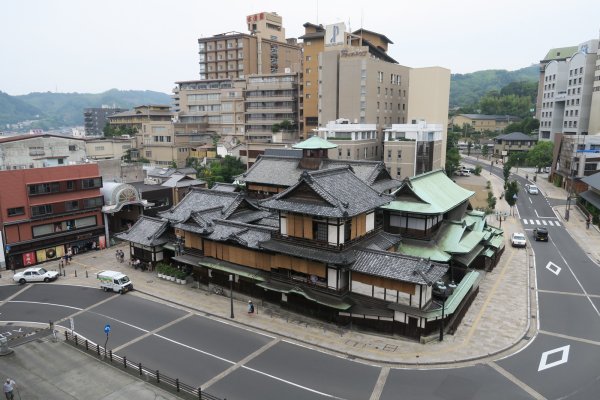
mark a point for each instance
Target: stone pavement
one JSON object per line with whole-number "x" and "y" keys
{"x": 500, "y": 321}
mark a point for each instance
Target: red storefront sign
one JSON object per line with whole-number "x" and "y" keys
{"x": 29, "y": 259}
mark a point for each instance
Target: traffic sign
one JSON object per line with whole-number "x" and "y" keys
{"x": 107, "y": 329}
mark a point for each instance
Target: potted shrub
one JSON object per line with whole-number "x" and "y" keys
{"x": 160, "y": 269}
{"x": 172, "y": 274}
{"x": 180, "y": 277}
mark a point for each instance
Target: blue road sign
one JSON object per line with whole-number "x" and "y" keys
{"x": 107, "y": 328}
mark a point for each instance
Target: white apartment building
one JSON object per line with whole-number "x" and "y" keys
{"x": 354, "y": 141}
{"x": 413, "y": 149}
{"x": 567, "y": 93}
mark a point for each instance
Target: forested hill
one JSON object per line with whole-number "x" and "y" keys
{"x": 468, "y": 89}
{"x": 54, "y": 110}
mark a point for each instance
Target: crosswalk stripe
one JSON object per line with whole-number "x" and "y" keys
{"x": 550, "y": 223}
{"x": 525, "y": 222}
{"x": 537, "y": 221}
{"x": 532, "y": 221}
{"x": 543, "y": 222}
{"x": 556, "y": 222}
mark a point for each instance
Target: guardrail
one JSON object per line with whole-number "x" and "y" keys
{"x": 154, "y": 377}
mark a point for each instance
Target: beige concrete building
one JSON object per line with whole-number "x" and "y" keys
{"x": 140, "y": 114}
{"x": 354, "y": 141}
{"x": 428, "y": 99}
{"x": 413, "y": 149}
{"x": 109, "y": 147}
{"x": 557, "y": 54}
{"x": 264, "y": 50}
{"x": 483, "y": 122}
{"x": 209, "y": 107}
{"x": 270, "y": 100}
{"x": 313, "y": 43}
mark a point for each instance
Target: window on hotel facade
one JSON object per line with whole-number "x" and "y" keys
{"x": 41, "y": 210}
{"x": 71, "y": 205}
{"x": 93, "y": 203}
{"x": 91, "y": 183}
{"x": 44, "y": 188}
{"x": 320, "y": 230}
{"x": 16, "y": 211}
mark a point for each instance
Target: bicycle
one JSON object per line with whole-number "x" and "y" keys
{"x": 218, "y": 290}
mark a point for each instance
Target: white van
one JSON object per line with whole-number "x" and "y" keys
{"x": 115, "y": 281}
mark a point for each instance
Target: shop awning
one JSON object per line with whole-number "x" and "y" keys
{"x": 320, "y": 298}
{"x": 169, "y": 246}
{"x": 230, "y": 268}
{"x": 188, "y": 259}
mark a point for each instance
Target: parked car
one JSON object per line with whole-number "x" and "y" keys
{"x": 540, "y": 233}
{"x": 35, "y": 274}
{"x": 517, "y": 239}
{"x": 532, "y": 189}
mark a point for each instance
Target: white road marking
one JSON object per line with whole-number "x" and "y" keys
{"x": 557, "y": 223}
{"x": 525, "y": 222}
{"x": 45, "y": 304}
{"x": 555, "y": 269}
{"x": 564, "y": 358}
{"x": 537, "y": 221}
{"x": 543, "y": 222}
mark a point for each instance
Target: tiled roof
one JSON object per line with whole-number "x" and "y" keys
{"x": 225, "y": 187}
{"x": 179, "y": 180}
{"x": 515, "y": 136}
{"x": 593, "y": 180}
{"x": 380, "y": 241}
{"x": 309, "y": 252}
{"x": 285, "y": 171}
{"x": 429, "y": 193}
{"x": 244, "y": 234}
{"x": 197, "y": 200}
{"x": 398, "y": 267}
{"x": 342, "y": 193}
{"x": 146, "y": 231}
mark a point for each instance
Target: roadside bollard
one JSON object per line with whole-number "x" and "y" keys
{"x": 86, "y": 273}
{"x": 75, "y": 273}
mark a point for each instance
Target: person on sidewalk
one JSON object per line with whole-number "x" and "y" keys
{"x": 587, "y": 223}
{"x": 250, "y": 307}
{"x": 9, "y": 387}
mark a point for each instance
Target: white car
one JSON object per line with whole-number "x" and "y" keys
{"x": 517, "y": 239}
{"x": 35, "y": 274}
{"x": 532, "y": 189}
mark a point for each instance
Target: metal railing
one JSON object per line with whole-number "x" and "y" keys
{"x": 154, "y": 377}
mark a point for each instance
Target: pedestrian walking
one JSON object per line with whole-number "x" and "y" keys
{"x": 587, "y": 223}
{"x": 250, "y": 307}
{"x": 70, "y": 254}
{"x": 9, "y": 388}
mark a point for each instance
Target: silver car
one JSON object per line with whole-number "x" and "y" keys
{"x": 517, "y": 239}
{"x": 35, "y": 274}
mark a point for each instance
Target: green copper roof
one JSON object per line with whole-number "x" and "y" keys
{"x": 455, "y": 237}
{"x": 423, "y": 249}
{"x": 560, "y": 52}
{"x": 428, "y": 193}
{"x": 314, "y": 143}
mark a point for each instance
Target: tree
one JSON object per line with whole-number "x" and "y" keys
{"x": 221, "y": 170}
{"x": 491, "y": 201}
{"x": 517, "y": 159}
{"x": 512, "y": 190}
{"x": 452, "y": 154}
{"x": 506, "y": 174}
{"x": 541, "y": 155}
{"x": 469, "y": 145}
{"x": 485, "y": 150}
{"x": 477, "y": 170}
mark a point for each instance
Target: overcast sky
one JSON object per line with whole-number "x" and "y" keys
{"x": 93, "y": 46}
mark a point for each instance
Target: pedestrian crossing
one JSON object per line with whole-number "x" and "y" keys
{"x": 540, "y": 222}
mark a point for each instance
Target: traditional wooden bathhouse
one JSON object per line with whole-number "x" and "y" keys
{"x": 272, "y": 174}
{"x": 433, "y": 216}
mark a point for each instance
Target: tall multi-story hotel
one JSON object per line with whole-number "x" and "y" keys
{"x": 594, "y": 127}
{"x": 264, "y": 50}
{"x": 353, "y": 141}
{"x": 567, "y": 93}
{"x": 358, "y": 81}
{"x": 95, "y": 119}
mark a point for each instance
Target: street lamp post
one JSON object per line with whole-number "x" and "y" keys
{"x": 231, "y": 292}
{"x": 442, "y": 293}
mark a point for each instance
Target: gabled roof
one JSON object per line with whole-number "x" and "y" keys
{"x": 313, "y": 143}
{"x": 199, "y": 199}
{"x": 146, "y": 231}
{"x": 225, "y": 187}
{"x": 458, "y": 237}
{"x": 515, "y": 136}
{"x": 592, "y": 181}
{"x": 381, "y": 35}
{"x": 429, "y": 193}
{"x": 179, "y": 180}
{"x": 398, "y": 267}
{"x": 560, "y": 53}
{"x": 332, "y": 193}
{"x": 285, "y": 171}
{"x": 243, "y": 234}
